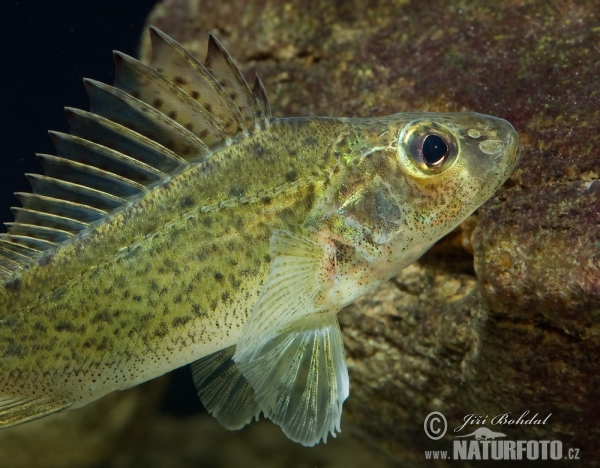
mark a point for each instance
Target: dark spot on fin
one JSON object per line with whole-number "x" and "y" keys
{"x": 222, "y": 67}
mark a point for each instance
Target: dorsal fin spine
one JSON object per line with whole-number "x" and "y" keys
{"x": 91, "y": 127}
{"x": 8, "y": 243}
{"x": 29, "y": 240}
{"x": 223, "y": 68}
{"x": 92, "y": 154}
{"x": 57, "y": 167}
{"x": 7, "y": 253}
{"x": 27, "y": 216}
{"x": 261, "y": 101}
{"x": 128, "y": 70}
{"x": 104, "y": 99}
{"x": 126, "y": 146}
{"x": 65, "y": 190}
{"x": 212, "y": 86}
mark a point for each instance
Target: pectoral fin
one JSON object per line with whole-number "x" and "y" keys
{"x": 224, "y": 392}
{"x": 291, "y": 350}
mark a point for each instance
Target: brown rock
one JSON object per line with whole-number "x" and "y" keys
{"x": 522, "y": 333}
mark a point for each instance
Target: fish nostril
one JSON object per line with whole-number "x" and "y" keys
{"x": 491, "y": 146}
{"x": 474, "y": 133}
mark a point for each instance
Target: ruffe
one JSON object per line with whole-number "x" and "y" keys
{"x": 181, "y": 223}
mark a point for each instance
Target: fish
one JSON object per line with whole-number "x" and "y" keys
{"x": 181, "y": 223}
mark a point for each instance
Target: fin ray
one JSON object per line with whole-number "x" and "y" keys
{"x": 45, "y": 233}
{"x": 97, "y": 129}
{"x": 89, "y": 176}
{"x": 148, "y": 85}
{"x": 92, "y": 154}
{"x": 182, "y": 69}
{"x": 221, "y": 65}
{"x": 118, "y": 106}
{"x": 151, "y": 124}
{"x": 291, "y": 348}
{"x": 38, "y": 218}
{"x": 76, "y": 193}
{"x": 15, "y": 411}
{"x": 224, "y": 392}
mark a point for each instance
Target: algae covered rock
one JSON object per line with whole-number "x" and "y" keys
{"x": 519, "y": 332}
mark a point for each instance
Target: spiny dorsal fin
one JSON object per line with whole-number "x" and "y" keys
{"x": 182, "y": 69}
{"x": 148, "y": 85}
{"x": 97, "y": 129}
{"x": 222, "y": 67}
{"x": 260, "y": 97}
{"x": 122, "y": 108}
{"x": 152, "y": 123}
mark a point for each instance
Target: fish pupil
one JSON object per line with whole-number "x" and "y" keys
{"x": 435, "y": 150}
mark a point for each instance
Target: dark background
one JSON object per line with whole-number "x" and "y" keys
{"x": 46, "y": 49}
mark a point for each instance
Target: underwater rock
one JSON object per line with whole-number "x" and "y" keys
{"x": 520, "y": 331}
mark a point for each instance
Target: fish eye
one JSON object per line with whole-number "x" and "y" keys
{"x": 427, "y": 148}
{"x": 434, "y": 150}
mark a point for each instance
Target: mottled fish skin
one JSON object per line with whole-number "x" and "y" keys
{"x": 175, "y": 274}
{"x": 169, "y": 279}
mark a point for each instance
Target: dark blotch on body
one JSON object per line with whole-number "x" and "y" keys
{"x": 236, "y": 192}
{"x": 64, "y": 326}
{"x": 235, "y": 283}
{"x": 13, "y": 350}
{"x": 102, "y": 345}
{"x": 187, "y": 202}
{"x": 101, "y": 317}
{"x": 180, "y": 321}
{"x": 291, "y": 176}
{"x": 161, "y": 331}
{"x": 45, "y": 260}
{"x": 257, "y": 150}
{"x": 13, "y": 285}
{"x": 197, "y": 310}
{"x": 310, "y": 141}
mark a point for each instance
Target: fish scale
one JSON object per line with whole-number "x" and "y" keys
{"x": 181, "y": 224}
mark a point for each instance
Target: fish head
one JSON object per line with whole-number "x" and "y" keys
{"x": 424, "y": 174}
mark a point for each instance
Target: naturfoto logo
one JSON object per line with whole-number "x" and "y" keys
{"x": 485, "y": 443}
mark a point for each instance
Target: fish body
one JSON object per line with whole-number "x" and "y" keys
{"x": 181, "y": 223}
